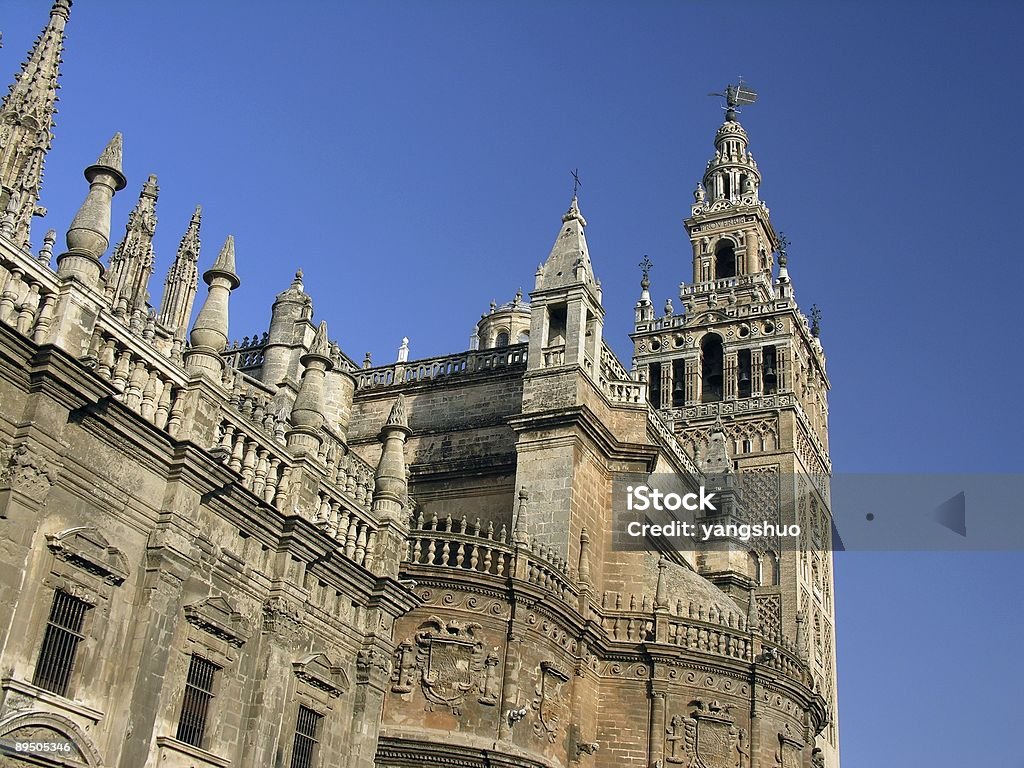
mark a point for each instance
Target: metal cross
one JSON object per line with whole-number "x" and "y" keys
{"x": 576, "y": 183}
{"x": 784, "y": 243}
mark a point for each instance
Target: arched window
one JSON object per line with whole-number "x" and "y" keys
{"x": 711, "y": 368}
{"x": 725, "y": 259}
{"x": 502, "y": 339}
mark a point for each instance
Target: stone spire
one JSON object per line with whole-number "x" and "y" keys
{"x": 210, "y": 333}
{"x": 26, "y": 122}
{"x": 131, "y": 264}
{"x": 308, "y": 410}
{"x": 89, "y": 234}
{"x": 182, "y": 280}
{"x": 569, "y": 261}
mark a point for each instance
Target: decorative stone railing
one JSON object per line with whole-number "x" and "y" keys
{"x": 28, "y": 298}
{"x": 255, "y": 454}
{"x": 700, "y": 629}
{"x": 461, "y": 544}
{"x": 143, "y": 379}
{"x": 441, "y": 367}
{"x": 663, "y": 323}
{"x": 553, "y": 356}
{"x": 725, "y": 283}
{"x": 356, "y": 534}
{"x": 611, "y": 368}
{"x": 669, "y": 441}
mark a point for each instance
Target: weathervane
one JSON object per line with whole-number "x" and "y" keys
{"x": 783, "y": 245}
{"x": 815, "y": 321}
{"x": 646, "y": 265}
{"x": 738, "y": 95}
{"x": 576, "y": 183}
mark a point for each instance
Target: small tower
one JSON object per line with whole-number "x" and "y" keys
{"x": 504, "y": 325}
{"x": 289, "y": 326}
{"x": 566, "y": 315}
{"x": 26, "y": 123}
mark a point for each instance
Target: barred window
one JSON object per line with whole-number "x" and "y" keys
{"x": 60, "y": 643}
{"x": 306, "y": 729}
{"x": 202, "y": 675}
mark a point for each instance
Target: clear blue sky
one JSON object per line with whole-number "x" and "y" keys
{"x": 413, "y": 159}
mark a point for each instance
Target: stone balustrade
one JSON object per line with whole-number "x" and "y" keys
{"x": 431, "y": 369}
{"x": 28, "y": 298}
{"x": 669, "y": 441}
{"x": 470, "y": 545}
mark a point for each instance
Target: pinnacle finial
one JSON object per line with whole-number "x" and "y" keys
{"x": 110, "y": 161}
{"x": 61, "y": 8}
{"x": 225, "y": 264}
{"x": 397, "y": 417}
{"x": 26, "y": 113}
{"x": 574, "y": 213}
{"x": 321, "y": 346}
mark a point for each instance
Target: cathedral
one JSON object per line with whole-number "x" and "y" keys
{"x": 263, "y": 553}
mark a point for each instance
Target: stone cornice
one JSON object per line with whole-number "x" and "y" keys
{"x": 581, "y": 416}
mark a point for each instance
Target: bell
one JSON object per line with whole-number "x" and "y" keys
{"x": 677, "y": 387}
{"x": 769, "y": 375}
{"x": 744, "y": 377}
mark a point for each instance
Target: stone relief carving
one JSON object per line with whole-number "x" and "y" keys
{"x": 788, "y": 754}
{"x": 24, "y": 470}
{"x": 707, "y": 738}
{"x": 449, "y": 660}
{"x": 551, "y": 702}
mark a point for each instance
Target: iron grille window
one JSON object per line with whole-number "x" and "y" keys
{"x": 306, "y": 729}
{"x": 60, "y": 643}
{"x": 202, "y": 675}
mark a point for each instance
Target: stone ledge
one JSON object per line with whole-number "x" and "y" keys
{"x": 195, "y": 753}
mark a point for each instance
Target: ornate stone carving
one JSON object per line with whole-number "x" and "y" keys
{"x": 281, "y": 617}
{"x": 551, "y": 702}
{"x": 452, "y": 664}
{"x": 88, "y": 549}
{"x": 707, "y": 738}
{"x": 404, "y": 669}
{"x": 26, "y": 471}
{"x": 788, "y": 754}
{"x": 370, "y": 663}
{"x": 218, "y": 617}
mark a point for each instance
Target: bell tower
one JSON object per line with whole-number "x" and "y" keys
{"x": 739, "y": 359}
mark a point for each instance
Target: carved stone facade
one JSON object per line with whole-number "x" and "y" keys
{"x": 410, "y": 564}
